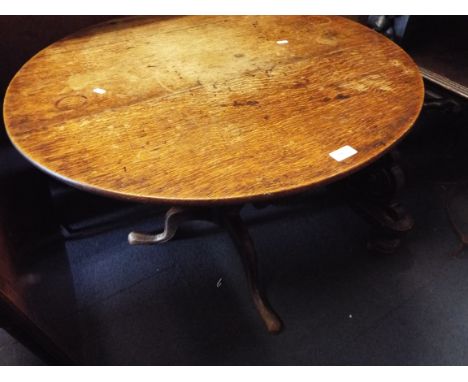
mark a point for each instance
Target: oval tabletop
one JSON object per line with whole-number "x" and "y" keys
{"x": 212, "y": 109}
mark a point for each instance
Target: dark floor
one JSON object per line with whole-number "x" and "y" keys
{"x": 186, "y": 302}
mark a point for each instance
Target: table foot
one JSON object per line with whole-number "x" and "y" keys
{"x": 230, "y": 219}
{"x": 246, "y": 249}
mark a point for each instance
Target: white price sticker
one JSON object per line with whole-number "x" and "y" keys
{"x": 343, "y": 153}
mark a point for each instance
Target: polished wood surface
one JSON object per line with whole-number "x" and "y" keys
{"x": 211, "y": 109}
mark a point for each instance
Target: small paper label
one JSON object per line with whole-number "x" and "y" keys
{"x": 343, "y": 153}
{"x": 282, "y": 42}
{"x": 99, "y": 90}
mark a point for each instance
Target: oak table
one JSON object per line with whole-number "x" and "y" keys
{"x": 204, "y": 114}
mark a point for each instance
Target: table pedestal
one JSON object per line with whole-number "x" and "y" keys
{"x": 228, "y": 218}
{"x": 372, "y": 193}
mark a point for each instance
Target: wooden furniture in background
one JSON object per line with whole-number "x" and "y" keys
{"x": 36, "y": 303}
{"x": 438, "y": 46}
{"x": 32, "y": 308}
{"x": 213, "y": 111}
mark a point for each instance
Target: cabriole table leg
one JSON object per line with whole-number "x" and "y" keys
{"x": 171, "y": 223}
{"x": 175, "y": 216}
{"x": 246, "y": 249}
{"x": 230, "y": 219}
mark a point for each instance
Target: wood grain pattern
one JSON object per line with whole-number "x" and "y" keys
{"x": 207, "y": 110}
